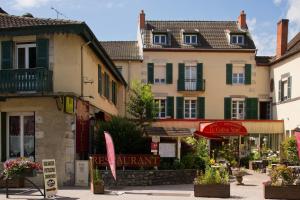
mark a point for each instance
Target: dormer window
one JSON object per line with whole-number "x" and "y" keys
{"x": 159, "y": 39}
{"x": 190, "y": 39}
{"x": 237, "y": 39}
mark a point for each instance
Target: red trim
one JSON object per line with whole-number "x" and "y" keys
{"x": 212, "y": 120}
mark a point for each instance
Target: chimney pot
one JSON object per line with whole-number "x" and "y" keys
{"x": 142, "y": 19}
{"x": 242, "y": 20}
{"x": 282, "y": 37}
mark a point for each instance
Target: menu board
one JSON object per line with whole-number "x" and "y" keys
{"x": 167, "y": 150}
{"x": 50, "y": 178}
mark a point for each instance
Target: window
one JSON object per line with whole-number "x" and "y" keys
{"x": 160, "y": 74}
{"x": 161, "y": 108}
{"x": 26, "y": 56}
{"x": 106, "y": 85}
{"x": 238, "y": 109}
{"x": 190, "y": 39}
{"x": 238, "y": 78}
{"x": 285, "y": 88}
{"x": 189, "y": 108}
{"x": 21, "y": 133}
{"x": 160, "y": 39}
{"x": 237, "y": 39}
{"x": 190, "y": 78}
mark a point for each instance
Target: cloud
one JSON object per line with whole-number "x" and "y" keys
{"x": 293, "y": 14}
{"x": 25, "y": 4}
{"x": 277, "y": 2}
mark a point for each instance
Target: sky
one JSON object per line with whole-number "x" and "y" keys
{"x": 117, "y": 19}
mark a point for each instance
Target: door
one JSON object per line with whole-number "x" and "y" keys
{"x": 20, "y": 135}
{"x": 264, "y": 110}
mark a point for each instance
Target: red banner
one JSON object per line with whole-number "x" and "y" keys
{"x": 82, "y": 127}
{"x": 111, "y": 157}
{"x": 297, "y": 134}
{"x": 137, "y": 160}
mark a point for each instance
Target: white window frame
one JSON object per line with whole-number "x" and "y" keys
{"x": 240, "y": 78}
{"x": 159, "y": 36}
{"x": 159, "y": 107}
{"x": 191, "y": 36}
{"x": 237, "y": 108}
{"x": 26, "y": 46}
{"x": 21, "y": 115}
{"x": 190, "y": 108}
{"x": 190, "y": 79}
{"x": 158, "y": 79}
{"x": 237, "y": 39}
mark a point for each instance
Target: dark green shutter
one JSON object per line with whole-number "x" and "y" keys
{"x": 289, "y": 87}
{"x": 99, "y": 80}
{"x": 42, "y": 53}
{"x": 251, "y": 108}
{"x": 229, "y": 74}
{"x": 3, "y": 136}
{"x": 227, "y": 108}
{"x": 150, "y": 73}
{"x": 201, "y": 107}
{"x": 280, "y": 92}
{"x": 6, "y": 55}
{"x": 170, "y": 107}
{"x": 248, "y": 72}
{"x": 113, "y": 92}
{"x": 181, "y": 77}
{"x": 199, "y": 77}
{"x": 108, "y": 88}
{"x": 169, "y": 73}
{"x": 179, "y": 107}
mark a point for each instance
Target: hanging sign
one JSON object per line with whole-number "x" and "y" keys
{"x": 154, "y": 147}
{"x": 50, "y": 178}
{"x": 69, "y": 105}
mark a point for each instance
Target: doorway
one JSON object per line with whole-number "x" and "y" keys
{"x": 264, "y": 110}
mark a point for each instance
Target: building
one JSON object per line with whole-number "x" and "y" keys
{"x": 55, "y": 79}
{"x": 284, "y": 77}
{"x": 203, "y": 72}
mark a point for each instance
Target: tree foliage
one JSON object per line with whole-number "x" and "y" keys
{"x": 289, "y": 150}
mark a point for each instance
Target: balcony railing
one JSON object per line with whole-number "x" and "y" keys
{"x": 191, "y": 85}
{"x": 26, "y": 80}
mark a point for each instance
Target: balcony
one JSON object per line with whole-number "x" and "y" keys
{"x": 190, "y": 85}
{"x": 26, "y": 80}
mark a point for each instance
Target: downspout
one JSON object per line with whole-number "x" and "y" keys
{"x": 81, "y": 67}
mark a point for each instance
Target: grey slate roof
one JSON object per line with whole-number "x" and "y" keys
{"x": 263, "y": 60}
{"x": 122, "y": 50}
{"x": 211, "y": 34}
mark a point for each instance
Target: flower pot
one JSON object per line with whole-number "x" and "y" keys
{"x": 212, "y": 190}
{"x": 28, "y": 172}
{"x": 97, "y": 188}
{"x": 239, "y": 179}
{"x": 12, "y": 183}
{"x": 282, "y": 192}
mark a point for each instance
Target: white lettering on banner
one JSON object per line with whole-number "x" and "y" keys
{"x": 50, "y": 178}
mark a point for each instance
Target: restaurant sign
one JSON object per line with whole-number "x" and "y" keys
{"x": 50, "y": 178}
{"x": 128, "y": 160}
{"x": 222, "y": 128}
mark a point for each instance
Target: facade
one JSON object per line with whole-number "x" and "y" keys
{"x": 55, "y": 80}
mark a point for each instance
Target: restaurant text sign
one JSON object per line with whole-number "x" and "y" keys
{"x": 128, "y": 160}
{"x": 50, "y": 178}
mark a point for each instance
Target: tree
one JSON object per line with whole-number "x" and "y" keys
{"x": 141, "y": 105}
{"x": 289, "y": 151}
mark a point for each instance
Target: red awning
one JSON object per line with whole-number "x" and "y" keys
{"x": 220, "y": 129}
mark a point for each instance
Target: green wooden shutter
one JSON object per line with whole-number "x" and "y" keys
{"x": 248, "y": 71}
{"x": 150, "y": 73}
{"x": 179, "y": 107}
{"x": 251, "y": 108}
{"x": 170, "y": 107}
{"x": 108, "y": 87}
{"x": 229, "y": 74}
{"x": 289, "y": 87}
{"x": 113, "y": 92}
{"x": 227, "y": 108}
{"x": 3, "y": 136}
{"x": 42, "y": 53}
{"x": 99, "y": 80}
{"x": 280, "y": 93}
{"x": 181, "y": 77}
{"x": 199, "y": 77}
{"x": 6, "y": 55}
{"x": 169, "y": 73}
{"x": 201, "y": 107}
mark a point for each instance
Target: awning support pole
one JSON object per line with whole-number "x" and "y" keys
{"x": 178, "y": 148}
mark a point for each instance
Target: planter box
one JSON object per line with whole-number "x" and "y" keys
{"x": 14, "y": 183}
{"x": 282, "y": 192}
{"x": 97, "y": 188}
{"x": 215, "y": 190}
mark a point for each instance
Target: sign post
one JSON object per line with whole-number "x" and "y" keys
{"x": 50, "y": 178}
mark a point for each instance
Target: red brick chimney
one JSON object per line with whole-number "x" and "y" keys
{"x": 142, "y": 19}
{"x": 282, "y": 37}
{"x": 242, "y": 20}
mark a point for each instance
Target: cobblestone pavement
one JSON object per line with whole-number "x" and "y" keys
{"x": 253, "y": 189}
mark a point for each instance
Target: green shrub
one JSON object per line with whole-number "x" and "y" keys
{"x": 212, "y": 176}
{"x": 289, "y": 151}
{"x": 282, "y": 175}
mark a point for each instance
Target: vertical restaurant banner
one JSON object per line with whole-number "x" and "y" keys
{"x": 82, "y": 127}
{"x": 111, "y": 156}
{"x": 50, "y": 178}
{"x": 297, "y": 134}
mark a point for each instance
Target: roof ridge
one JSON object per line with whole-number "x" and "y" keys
{"x": 190, "y": 21}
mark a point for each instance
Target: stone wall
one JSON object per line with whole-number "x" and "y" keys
{"x": 149, "y": 177}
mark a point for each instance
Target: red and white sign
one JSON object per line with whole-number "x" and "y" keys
{"x": 111, "y": 156}
{"x": 154, "y": 147}
{"x": 297, "y": 134}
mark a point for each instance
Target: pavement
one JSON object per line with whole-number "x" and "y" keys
{"x": 252, "y": 189}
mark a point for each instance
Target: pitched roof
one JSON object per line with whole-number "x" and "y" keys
{"x": 211, "y": 34}
{"x": 122, "y": 50}
{"x": 263, "y": 60}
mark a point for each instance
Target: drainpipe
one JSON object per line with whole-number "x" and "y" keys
{"x": 81, "y": 67}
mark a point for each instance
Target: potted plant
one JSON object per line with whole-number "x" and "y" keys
{"x": 282, "y": 184}
{"x": 239, "y": 174}
{"x": 213, "y": 183}
{"x": 97, "y": 184}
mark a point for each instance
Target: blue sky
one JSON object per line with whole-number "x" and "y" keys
{"x": 117, "y": 19}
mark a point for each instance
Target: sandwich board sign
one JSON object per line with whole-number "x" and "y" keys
{"x": 50, "y": 178}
